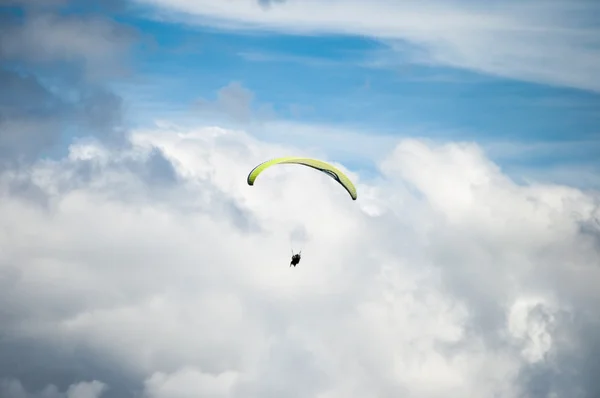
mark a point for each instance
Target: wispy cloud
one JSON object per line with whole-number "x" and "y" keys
{"x": 264, "y": 56}
{"x": 554, "y": 42}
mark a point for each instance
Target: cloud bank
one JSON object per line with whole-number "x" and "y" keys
{"x": 445, "y": 278}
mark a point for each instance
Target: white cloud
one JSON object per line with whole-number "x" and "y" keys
{"x": 443, "y": 279}
{"x": 533, "y": 331}
{"x": 550, "y": 42}
{"x": 190, "y": 383}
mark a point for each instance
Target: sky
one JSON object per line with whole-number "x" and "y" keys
{"x": 135, "y": 261}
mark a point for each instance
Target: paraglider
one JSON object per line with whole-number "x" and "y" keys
{"x": 324, "y": 167}
{"x": 319, "y": 165}
{"x": 295, "y": 258}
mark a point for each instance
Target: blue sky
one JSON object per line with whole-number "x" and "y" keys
{"x": 329, "y": 80}
{"x": 516, "y": 79}
{"x": 354, "y": 82}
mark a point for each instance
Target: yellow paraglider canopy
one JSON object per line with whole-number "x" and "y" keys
{"x": 324, "y": 167}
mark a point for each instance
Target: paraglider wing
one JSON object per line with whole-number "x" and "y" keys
{"x": 324, "y": 167}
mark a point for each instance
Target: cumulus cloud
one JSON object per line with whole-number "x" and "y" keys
{"x": 535, "y": 41}
{"x": 444, "y": 278}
